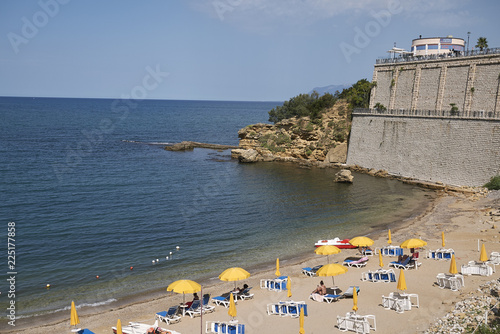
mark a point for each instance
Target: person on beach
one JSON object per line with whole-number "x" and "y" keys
{"x": 195, "y": 297}
{"x": 320, "y": 289}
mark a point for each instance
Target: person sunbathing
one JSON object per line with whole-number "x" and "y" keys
{"x": 320, "y": 289}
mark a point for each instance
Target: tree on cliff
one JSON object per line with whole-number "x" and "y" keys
{"x": 482, "y": 43}
{"x": 302, "y": 105}
{"x": 358, "y": 95}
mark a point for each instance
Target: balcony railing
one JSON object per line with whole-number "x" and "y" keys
{"x": 481, "y": 114}
{"x": 442, "y": 56}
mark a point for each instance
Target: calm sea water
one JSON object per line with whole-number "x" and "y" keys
{"x": 87, "y": 203}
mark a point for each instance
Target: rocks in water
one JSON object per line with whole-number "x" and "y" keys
{"x": 344, "y": 176}
{"x": 250, "y": 155}
{"x": 190, "y": 145}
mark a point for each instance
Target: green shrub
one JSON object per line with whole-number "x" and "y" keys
{"x": 303, "y": 105}
{"x": 494, "y": 183}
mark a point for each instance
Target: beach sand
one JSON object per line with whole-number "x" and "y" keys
{"x": 464, "y": 220}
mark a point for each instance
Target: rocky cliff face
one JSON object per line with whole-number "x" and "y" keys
{"x": 298, "y": 139}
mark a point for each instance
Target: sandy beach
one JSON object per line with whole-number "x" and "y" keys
{"x": 463, "y": 219}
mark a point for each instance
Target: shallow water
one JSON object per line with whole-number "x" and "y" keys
{"x": 86, "y": 203}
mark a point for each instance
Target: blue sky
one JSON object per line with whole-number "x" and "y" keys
{"x": 253, "y": 50}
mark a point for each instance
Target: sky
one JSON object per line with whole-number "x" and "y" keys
{"x": 243, "y": 50}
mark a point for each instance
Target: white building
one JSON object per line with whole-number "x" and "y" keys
{"x": 436, "y": 45}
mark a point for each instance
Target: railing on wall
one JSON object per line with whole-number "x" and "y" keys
{"x": 446, "y": 56}
{"x": 481, "y": 114}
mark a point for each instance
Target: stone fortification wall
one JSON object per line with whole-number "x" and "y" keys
{"x": 472, "y": 83}
{"x": 452, "y": 150}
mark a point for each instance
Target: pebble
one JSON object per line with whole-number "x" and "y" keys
{"x": 470, "y": 312}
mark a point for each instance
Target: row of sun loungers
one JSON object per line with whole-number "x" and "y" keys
{"x": 380, "y": 275}
{"x": 276, "y": 284}
{"x": 407, "y": 263}
{"x": 222, "y": 327}
{"x": 334, "y": 295}
{"x": 356, "y": 323}
{"x": 440, "y": 254}
{"x": 389, "y": 251}
{"x": 477, "y": 268}
{"x": 287, "y": 308}
{"x": 452, "y": 282}
{"x": 400, "y": 302}
{"x": 223, "y": 300}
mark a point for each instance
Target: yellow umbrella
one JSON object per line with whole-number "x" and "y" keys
{"x": 234, "y": 274}
{"x": 380, "y": 262}
{"x": 277, "y": 273}
{"x": 453, "y": 265}
{"x": 74, "y": 316}
{"x": 327, "y": 250}
{"x": 442, "y": 239}
{"x": 119, "y": 327}
{"x": 483, "y": 257}
{"x": 332, "y": 269}
{"x": 355, "y": 299}
{"x": 232, "y": 306}
{"x": 389, "y": 241}
{"x": 184, "y": 286}
{"x": 301, "y": 321}
{"x": 401, "y": 281}
{"x": 289, "y": 287}
{"x": 361, "y": 241}
{"x": 413, "y": 243}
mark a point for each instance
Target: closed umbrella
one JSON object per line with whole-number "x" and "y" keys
{"x": 453, "y": 265}
{"x": 332, "y": 269}
{"x": 442, "y": 239}
{"x": 380, "y": 262}
{"x": 277, "y": 273}
{"x": 232, "y": 307}
{"x": 483, "y": 257}
{"x": 119, "y": 327}
{"x": 184, "y": 286}
{"x": 389, "y": 241}
{"x": 301, "y": 321}
{"x": 401, "y": 281}
{"x": 74, "y": 316}
{"x": 289, "y": 287}
{"x": 327, "y": 250}
{"x": 355, "y": 299}
{"x": 234, "y": 274}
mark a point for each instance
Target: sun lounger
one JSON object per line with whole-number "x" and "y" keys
{"x": 349, "y": 292}
{"x": 311, "y": 271}
{"x": 170, "y": 316}
{"x": 494, "y": 258}
{"x": 222, "y": 300}
{"x": 452, "y": 282}
{"x": 136, "y": 327}
{"x": 224, "y": 327}
{"x": 476, "y": 268}
{"x": 205, "y": 304}
{"x": 329, "y": 298}
{"x": 357, "y": 323}
{"x": 85, "y": 331}
{"x": 355, "y": 262}
{"x": 195, "y": 309}
{"x": 405, "y": 264}
{"x": 244, "y": 294}
{"x": 287, "y": 308}
{"x": 276, "y": 284}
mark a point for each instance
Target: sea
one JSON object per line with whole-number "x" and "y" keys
{"x": 93, "y": 209}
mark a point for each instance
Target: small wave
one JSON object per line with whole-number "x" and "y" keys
{"x": 66, "y": 308}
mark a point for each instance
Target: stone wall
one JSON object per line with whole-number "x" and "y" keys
{"x": 471, "y": 83}
{"x": 452, "y": 150}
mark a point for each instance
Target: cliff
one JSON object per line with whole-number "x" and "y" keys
{"x": 298, "y": 139}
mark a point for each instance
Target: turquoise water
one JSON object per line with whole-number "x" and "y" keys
{"x": 87, "y": 203}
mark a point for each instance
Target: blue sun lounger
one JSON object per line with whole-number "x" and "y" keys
{"x": 85, "y": 331}
{"x": 169, "y": 316}
{"x": 311, "y": 271}
{"x": 222, "y": 327}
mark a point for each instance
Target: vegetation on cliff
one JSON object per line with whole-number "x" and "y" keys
{"x": 494, "y": 183}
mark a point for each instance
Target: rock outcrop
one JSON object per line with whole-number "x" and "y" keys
{"x": 344, "y": 176}
{"x": 298, "y": 139}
